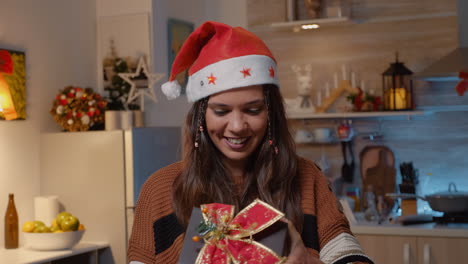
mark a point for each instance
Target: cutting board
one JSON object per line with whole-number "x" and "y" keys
{"x": 378, "y": 170}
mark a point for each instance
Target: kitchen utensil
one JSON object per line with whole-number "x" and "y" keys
{"x": 347, "y": 170}
{"x": 381, "y": 177}
{"x": 452, "y": 201}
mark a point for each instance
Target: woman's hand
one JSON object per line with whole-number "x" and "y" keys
{"x": 298, "y": 253}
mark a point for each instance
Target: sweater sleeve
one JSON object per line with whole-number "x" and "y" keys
{"x": 335, "y": 242}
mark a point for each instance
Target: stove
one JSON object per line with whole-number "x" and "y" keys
{"x": 452, "y": 218}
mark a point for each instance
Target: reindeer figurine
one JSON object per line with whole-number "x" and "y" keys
{"x": 304, "y": 84}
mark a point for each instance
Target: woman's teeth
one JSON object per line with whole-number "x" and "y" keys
{"x": 237, "y": 140}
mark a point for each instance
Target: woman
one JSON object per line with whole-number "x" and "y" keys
{"x": 237, "y": 148}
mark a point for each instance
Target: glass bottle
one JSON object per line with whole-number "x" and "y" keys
{"x": 11, "y": 224}
{"x": 371, "y": 213}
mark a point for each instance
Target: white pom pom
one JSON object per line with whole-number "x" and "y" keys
{"x": 171, "y": 89}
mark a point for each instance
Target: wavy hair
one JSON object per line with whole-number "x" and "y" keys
{"x": 270, "y": 177}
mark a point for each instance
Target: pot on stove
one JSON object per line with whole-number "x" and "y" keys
{"x": 451, "y": 201}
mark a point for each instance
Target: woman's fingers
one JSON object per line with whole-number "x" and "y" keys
{"x": 298, "y": 253}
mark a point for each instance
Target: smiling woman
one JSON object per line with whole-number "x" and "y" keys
{"x": 237, "y": 149}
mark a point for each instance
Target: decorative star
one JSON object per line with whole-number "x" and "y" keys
{"x": 144, "y": 89}
{"x": 211, "y": 79}
{"x": 246, "y": 72}
{"x": 272, "y": 72}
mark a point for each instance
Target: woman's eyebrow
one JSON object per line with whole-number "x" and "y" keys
{"x": 257, "y": 101}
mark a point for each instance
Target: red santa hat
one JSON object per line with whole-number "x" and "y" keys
{"x": 219, "y": 58}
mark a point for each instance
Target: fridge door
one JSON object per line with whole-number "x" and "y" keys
{"x": 147, "y": 150}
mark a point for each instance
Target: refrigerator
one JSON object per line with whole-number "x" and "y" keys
{"x": 97, "y": 176}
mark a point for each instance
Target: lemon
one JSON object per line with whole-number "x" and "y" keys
{"x": 53, "y": 229}
{"x": 58, "y": 231}
{"x": 61, "y": 216}
{"x": 55, "y": 224}
{"x": 41, "y": 229}
{"x": 28, "y": 226}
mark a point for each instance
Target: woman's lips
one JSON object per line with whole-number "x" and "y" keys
{"x": 236, "y": 143}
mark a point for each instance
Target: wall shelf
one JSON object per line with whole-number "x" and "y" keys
{"x": 342, "y": 21}
{"x": 353, "y": 114}
{"x": 322, "y": 22}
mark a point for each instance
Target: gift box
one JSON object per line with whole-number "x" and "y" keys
{"x": 215, "y": 235}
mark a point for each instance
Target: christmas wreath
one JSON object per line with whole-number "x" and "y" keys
{"x": 78, "y": 109}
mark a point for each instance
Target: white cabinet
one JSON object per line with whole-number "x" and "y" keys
{"x": 414, "y": 249}
{"x": 97, "y": 176}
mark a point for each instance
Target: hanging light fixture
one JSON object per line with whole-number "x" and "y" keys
{"x": 7, "y": 107}
{"x": 397, "y": 87}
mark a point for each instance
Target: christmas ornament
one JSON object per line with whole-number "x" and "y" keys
{"x": 142, "y": 82}
{"x": 462, "y": 85}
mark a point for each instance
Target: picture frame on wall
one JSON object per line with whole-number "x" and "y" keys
{"x": 12, "y": 85}
{"x": 177, "y": 32}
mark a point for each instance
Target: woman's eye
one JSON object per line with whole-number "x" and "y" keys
{"x": 255, "y": 110}
{"x": 220, "y": 112}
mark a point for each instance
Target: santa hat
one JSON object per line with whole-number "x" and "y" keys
{"x": 220, "y": 57}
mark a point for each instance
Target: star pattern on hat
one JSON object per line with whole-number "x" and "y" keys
{"x": 272, "y": 72}
{"x": 211, "y": 79}
{"x": 246, "y": 72}
{"x": 144, "y": 90}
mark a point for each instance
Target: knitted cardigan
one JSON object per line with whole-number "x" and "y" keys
{"x": 157, "y": 236}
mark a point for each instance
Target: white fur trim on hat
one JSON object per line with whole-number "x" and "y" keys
{"x": 229, "y": 74}
{"x": 171, "y": 89}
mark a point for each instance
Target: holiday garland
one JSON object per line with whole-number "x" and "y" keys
{"x": 78, "y": 109}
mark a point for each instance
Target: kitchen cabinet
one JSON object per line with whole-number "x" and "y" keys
{"x": 414, "y": 249}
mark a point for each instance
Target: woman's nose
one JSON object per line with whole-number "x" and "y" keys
{"x": 237, "y": 122}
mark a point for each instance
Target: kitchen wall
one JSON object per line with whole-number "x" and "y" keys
{"x": 59, "y": 38}
{"x": 421, "y": 31}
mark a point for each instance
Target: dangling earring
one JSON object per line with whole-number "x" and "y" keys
{"x": 270, "y": 140}
{"x": 201, "y": 114}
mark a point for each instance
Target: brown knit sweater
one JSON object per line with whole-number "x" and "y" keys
{"x": 157, "y": 237}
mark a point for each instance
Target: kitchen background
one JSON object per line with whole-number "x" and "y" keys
{"x": 59, "y": 38}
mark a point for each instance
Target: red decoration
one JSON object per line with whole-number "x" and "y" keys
{"x": 272, "y": 72}
{"x": 246, "y": 72}
{"x": 230, "y": 241}
{"x": 211, "y": 79}
{"x": 6, "y": 63}
{"x": 462, "y": 85}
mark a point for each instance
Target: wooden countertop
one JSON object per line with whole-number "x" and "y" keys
{"x": 429, "y": 229}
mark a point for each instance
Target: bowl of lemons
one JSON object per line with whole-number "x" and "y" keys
{"x": 64, "y": 232}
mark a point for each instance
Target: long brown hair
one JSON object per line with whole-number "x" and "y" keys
{"x": 270, "y": 177}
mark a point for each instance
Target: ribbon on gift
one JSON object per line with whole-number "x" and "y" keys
{"x": 228, "y": 238}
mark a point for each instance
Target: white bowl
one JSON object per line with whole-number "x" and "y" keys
{"x": 52, "y": 241}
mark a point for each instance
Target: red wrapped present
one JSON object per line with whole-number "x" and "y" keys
{"x": 253, "y": 236}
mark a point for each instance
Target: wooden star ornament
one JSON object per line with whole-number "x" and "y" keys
{"x": 142, "y": 82}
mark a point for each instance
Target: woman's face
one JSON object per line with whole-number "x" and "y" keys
{"x": 236, "y": 121}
